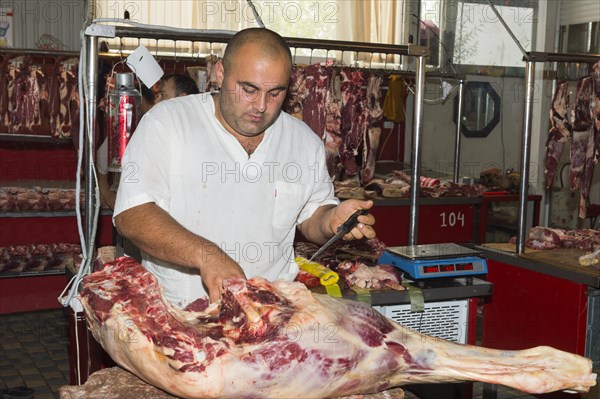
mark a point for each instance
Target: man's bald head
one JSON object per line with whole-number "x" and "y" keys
{"x": 271, "y": 45}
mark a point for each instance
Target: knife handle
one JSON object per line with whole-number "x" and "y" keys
{"x": 352, "y": 221}
{"x": 325, "y": 275}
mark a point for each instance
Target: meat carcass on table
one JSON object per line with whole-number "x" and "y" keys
{"x": 278, "y": 340}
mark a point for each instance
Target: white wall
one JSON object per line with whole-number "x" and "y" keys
{"x": 477, "y": 154}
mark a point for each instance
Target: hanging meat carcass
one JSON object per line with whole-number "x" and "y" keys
{"x": 319, "y": 91}
{"x": 30, "y": 101}
{"x": 355, "y": 118}
{"x": 4, "y": 98}
{"x": 560, "y": 131}
{"x": 64, "y": 99}
{"x": 372, "y": 133}
{"x": 581, "y": 131}
{"x": 278, "y": 340}
{"x": 596, "y": 110}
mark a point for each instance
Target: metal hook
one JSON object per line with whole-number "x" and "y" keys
{"x": 175, "y": 51}
{"x": 156, "y": 51}
{"x": 371, "y": 61}
{"x": 294, "y": 58}
{"x": 121, "y": 48}
{"x": 310, "y": 59}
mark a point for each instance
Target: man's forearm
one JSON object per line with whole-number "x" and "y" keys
{"x": 156, "y": 233}
{"x": 316, "y": 229}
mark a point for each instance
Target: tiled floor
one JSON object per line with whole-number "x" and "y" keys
{"x": 34, "y": 354}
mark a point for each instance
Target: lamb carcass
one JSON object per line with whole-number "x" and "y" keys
{"x": 278, "y": 340}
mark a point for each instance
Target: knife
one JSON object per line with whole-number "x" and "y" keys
{"x": 341, "y": 231}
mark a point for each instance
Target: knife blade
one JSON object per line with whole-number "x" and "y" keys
{"x": 341, "y": 231}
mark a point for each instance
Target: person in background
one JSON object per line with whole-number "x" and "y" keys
{"x": 176, "y": 85}
{"x": 217, "y": 183}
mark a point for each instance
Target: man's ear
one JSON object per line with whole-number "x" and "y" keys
{"x": 219, "y": 73}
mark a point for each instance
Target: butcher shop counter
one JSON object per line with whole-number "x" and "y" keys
{"x": 441, "y": 219}
{"x": 541, "y": 297}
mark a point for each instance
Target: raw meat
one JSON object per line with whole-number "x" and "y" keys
{"x": 361, "y": 276}
{"x": 320, "y": 94}
{"x": 4, "y": 99}
{"x": 596, "y": 110}
{"x": 278, "y": 340}
{"x": 37, "y": 257}
{"x": 297, "y": 92}
{"x": 549, "y": 238}
{"x": 30, "y": 102}
{"x": 560, "y": 131}
{"x": 581, "y": 131}
{"x": 313, "y": 107}
{"x": 64, "y": 99}
{"x": 332, "y": 137}
{"x": 373, "y": 133}
{"x": 355, "y": 118}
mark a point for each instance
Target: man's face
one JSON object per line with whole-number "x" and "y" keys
{"x": 167, "y": 90}
{"x": 252, "y": 91}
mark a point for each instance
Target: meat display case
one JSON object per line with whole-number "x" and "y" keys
{"x": 38, "y": 157}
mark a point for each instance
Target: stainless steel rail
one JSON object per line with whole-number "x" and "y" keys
{"x": 158, "y": 33}
{"x": 530, "y": 59}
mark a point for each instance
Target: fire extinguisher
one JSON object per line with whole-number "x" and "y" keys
{"x": 124, "y": 111}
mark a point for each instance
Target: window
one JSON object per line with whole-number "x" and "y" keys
{"x": 379, "y": 21}
{"x": 472, "y": 35}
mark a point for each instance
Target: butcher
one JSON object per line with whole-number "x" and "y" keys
{"x": 214, "y": 185}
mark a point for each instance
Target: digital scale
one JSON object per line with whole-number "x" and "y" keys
{"x": 435, "y": 260}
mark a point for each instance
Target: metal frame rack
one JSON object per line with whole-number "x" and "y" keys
{"x": 530, "y": 59}
{"x": 94, "y": 31}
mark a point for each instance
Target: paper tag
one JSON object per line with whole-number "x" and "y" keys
{"x": 145, "y": 66}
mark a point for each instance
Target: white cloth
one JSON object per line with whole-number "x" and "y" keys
{"x": 182, "y": 159}
{"x": 102, "y": 157}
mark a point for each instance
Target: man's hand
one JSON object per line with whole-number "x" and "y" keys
{"x": 156, "y": 233}
{"x": 344, "y": 210}
{"x": 213, "y": 274}
{"x": 325, "y": 221}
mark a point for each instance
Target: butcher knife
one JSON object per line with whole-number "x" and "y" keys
{"x": 341, "y": 231}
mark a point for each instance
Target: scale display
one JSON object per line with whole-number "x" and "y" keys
{"x": 435, "y": 260}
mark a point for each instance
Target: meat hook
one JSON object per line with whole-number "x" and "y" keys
{"x": 175, "y": 51}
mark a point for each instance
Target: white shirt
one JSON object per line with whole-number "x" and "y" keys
{"x": 182, "y": 159}
{"x": 102, "y": 157}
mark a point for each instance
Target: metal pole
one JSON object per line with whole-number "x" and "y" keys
{"x": 88, "y": 159}
{"x": 416, "y": 150}
{"x": 459, "y": 113}
{"x": 525, "y": 155}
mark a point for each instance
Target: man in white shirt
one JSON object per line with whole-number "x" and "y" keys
{"x": 214, "y": 185}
